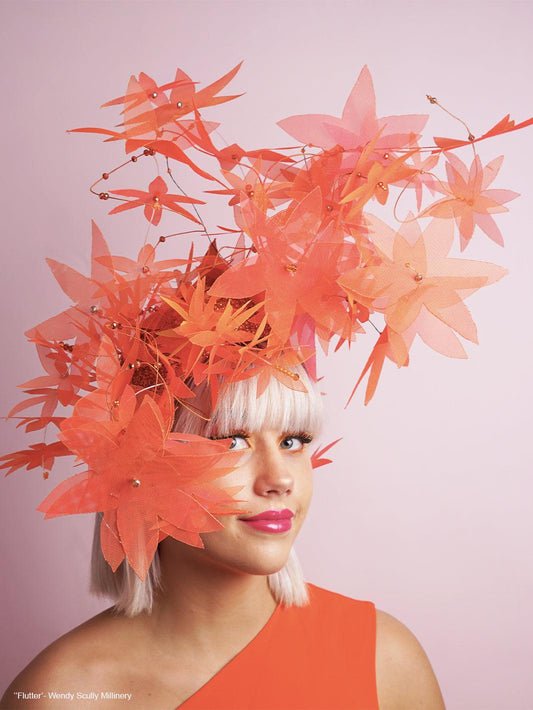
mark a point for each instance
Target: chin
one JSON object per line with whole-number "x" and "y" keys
{"x": 265, "y": 565}
{"x": 261, "y": 556}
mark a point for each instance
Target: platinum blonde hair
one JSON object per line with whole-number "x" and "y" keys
{"x": 238, "y": 409}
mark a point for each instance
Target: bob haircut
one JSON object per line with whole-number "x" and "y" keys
{"x": 238, "y": 409}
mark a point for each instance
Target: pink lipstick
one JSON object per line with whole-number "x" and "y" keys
{"x": 273, "y": 521}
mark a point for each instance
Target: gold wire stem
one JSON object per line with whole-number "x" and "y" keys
{"x": 191, "y": 408}
{"x": 433, "y": 100}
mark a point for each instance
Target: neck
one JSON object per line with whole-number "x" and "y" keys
{"x": 206, "y": 604}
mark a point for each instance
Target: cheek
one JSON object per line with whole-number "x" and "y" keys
{"x": 310, "y": 489}
{"x": 302, "y": 492}
{"x": 306, "y": 479}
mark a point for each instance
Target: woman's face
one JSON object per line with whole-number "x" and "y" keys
{"x": 276, "y": 480}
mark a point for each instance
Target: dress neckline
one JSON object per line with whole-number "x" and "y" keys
{"x": 234, "y": 659}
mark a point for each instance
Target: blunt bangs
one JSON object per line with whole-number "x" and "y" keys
{"x": 240, "y": 409}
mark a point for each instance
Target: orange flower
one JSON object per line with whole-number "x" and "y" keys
{"x": 38, "y": 455}
{"x": 211, "y": 333}
{"x": 296, "y": 266}
{"x": 469, "y": 201}
{"x": 371, "y": 179}
{"x": 149, "y": 118}
{"x": 148, "y": 483}
{"x": 154, "y": 201}
{"x": 183, "y": 100}
{"x": 358, "y": 125}
{"x": 146, "y": 265}
{"x": 249, "y": 187}
{"x": 146, "y": 89}
{"x": 418, "y": 288}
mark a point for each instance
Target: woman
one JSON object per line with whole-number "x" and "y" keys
{"x": 197, "y": 532}
{"x": 234, "y": 625}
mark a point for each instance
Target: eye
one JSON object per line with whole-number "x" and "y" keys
{"x": 239, "y": 442}
{"x": 295, "y": 442}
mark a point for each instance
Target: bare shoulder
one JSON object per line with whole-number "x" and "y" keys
{"x": 404, "y": 675}
{"x": 77, "y": 662}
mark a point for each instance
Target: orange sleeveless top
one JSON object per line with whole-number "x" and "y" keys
{"x": 316, "y": 657}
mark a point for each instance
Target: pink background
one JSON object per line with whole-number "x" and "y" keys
{"x": 427, "y": 509}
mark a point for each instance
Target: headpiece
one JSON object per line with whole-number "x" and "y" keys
{"x": 305, "y": 262}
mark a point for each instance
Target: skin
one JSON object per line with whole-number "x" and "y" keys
{"x": 214, "y": 602}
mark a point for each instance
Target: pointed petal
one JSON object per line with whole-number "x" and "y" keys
{"x": 243, "y": 279}
{"x": 438, "y": 336}
{"x": 75, "y": 285}
{"x": 139, "y": 539}
{"x": 489, "y": 226}
{"x": 361, "y": 103}
{"x": 99, "y": 272}
{"x": 110, "y": 540}
{"x": 309, "y": 129}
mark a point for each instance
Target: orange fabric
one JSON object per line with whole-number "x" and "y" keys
{"x": 318, "y": 657}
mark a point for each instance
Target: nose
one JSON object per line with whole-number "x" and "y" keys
{"x": 272, "y": 475}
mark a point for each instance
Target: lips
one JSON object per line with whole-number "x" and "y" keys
{"x": 272, "y": 521}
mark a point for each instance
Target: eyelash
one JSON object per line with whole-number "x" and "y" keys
{"x": 240, "y": 434}
{"x": 303, "y": 436}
